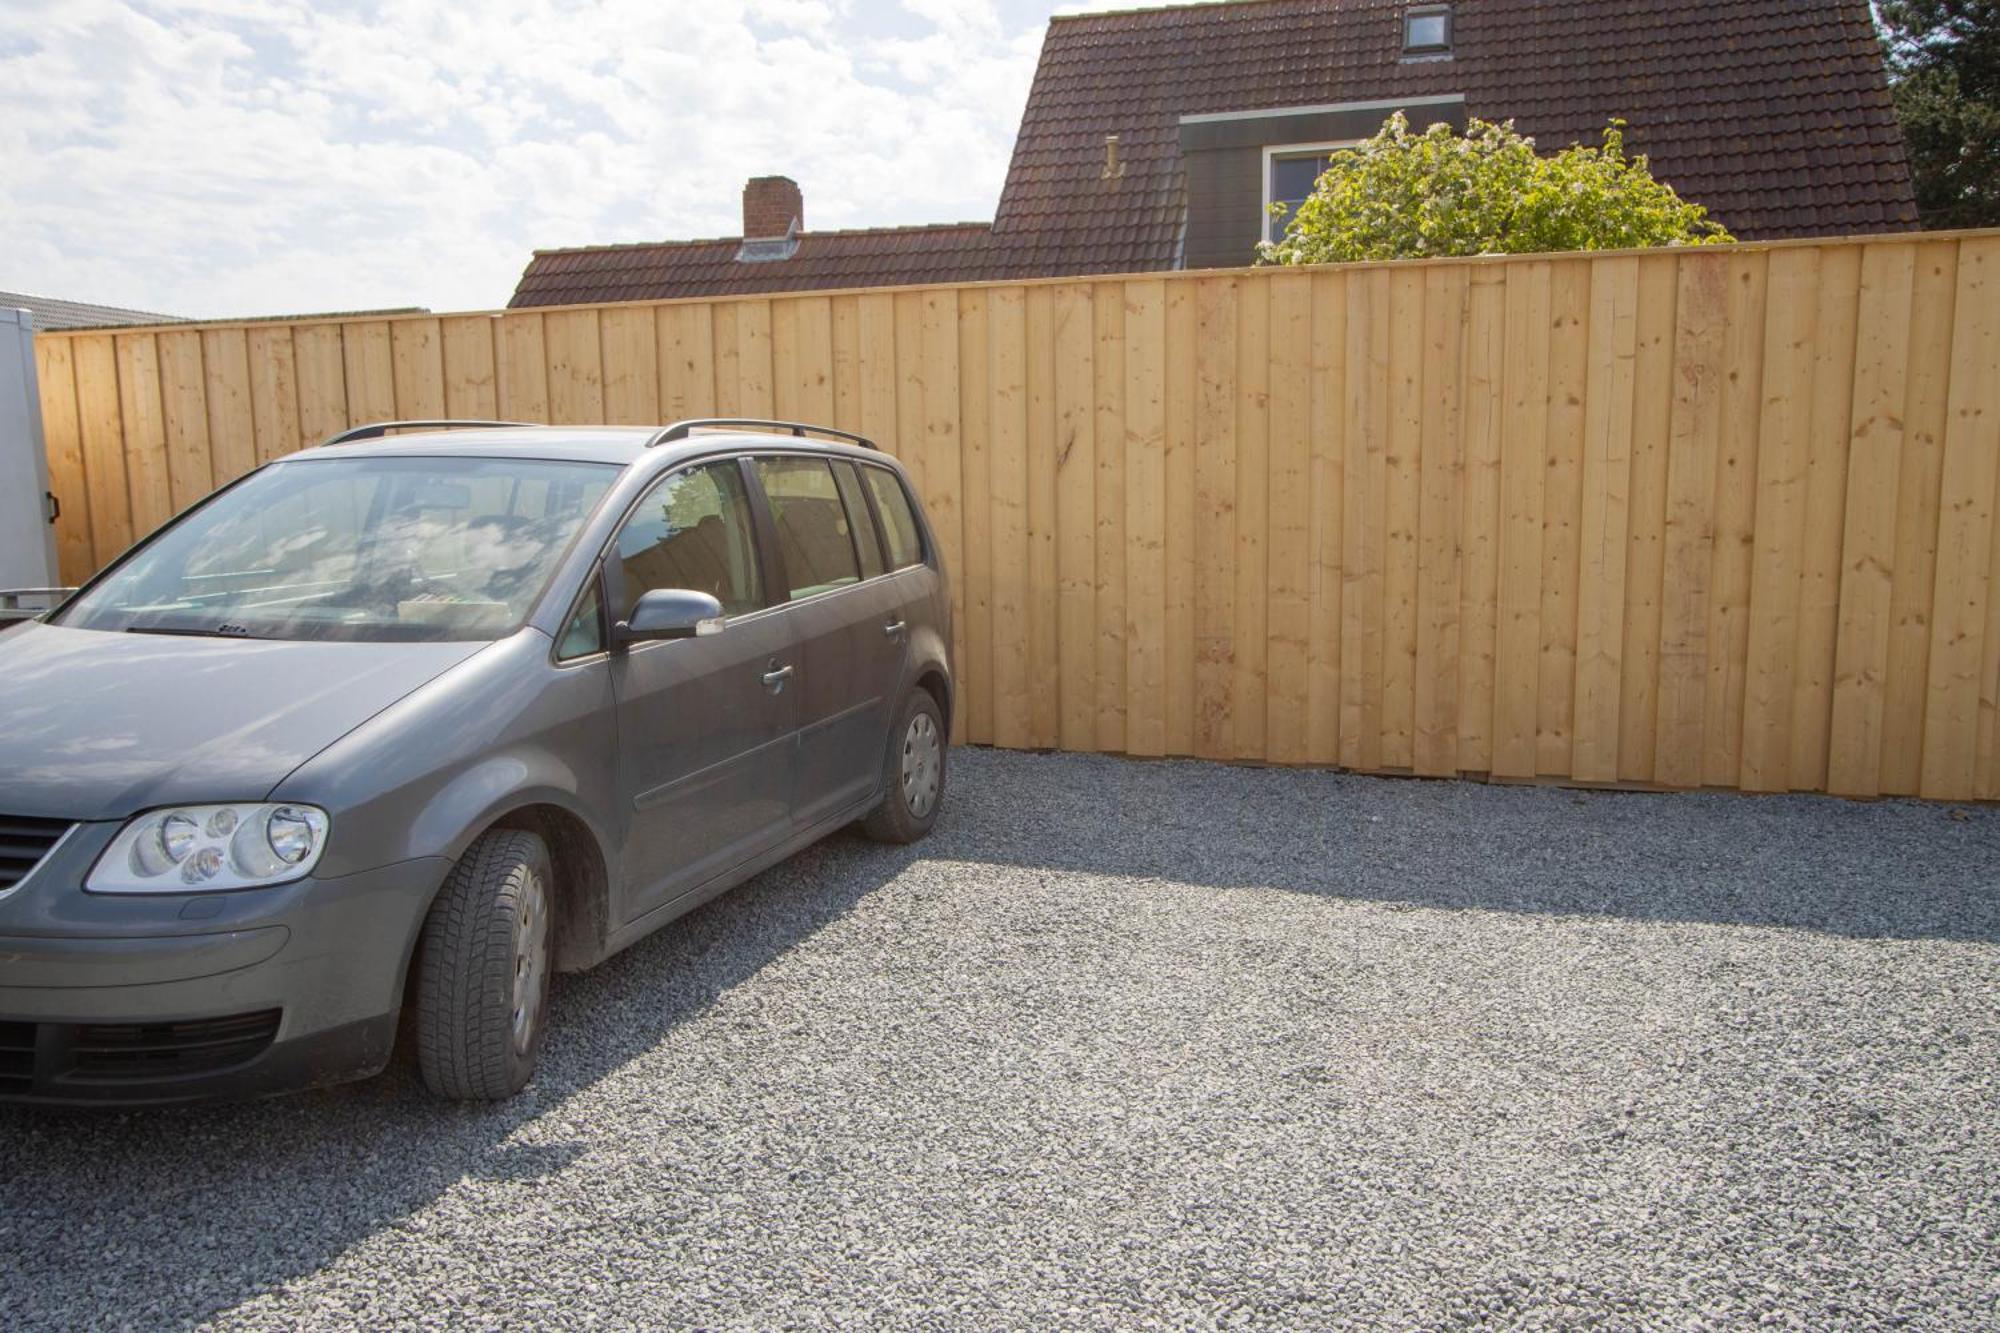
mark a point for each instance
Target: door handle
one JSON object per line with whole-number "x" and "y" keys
{"x": 893, "y": 629}
{"x": 775, "y": 680}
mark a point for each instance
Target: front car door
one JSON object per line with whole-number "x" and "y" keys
{"x": 707, "y": 726}
{"x": 851, "y": 635}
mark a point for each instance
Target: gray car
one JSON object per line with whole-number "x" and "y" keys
{"x": 408, "y": 721}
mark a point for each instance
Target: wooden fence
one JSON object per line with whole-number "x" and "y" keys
{"x": 1700, "y": 518}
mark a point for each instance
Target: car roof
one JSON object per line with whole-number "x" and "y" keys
{"x": 620, "y": 445}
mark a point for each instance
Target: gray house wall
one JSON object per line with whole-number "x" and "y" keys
{"x": 27, "y": 540}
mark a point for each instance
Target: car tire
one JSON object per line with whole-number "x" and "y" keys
{"x": 914, "y": 777}
{"x": 482, "y": 994}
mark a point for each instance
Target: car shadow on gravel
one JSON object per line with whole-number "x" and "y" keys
{"x": 177, "y": 1214}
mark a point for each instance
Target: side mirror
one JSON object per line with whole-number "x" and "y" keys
{"x": 670, "y": 613}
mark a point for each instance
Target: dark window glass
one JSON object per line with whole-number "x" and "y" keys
{"x": 866, "y": 543}
{"x": 899, "y": 523}
{"x": 1427, "y": 31}
{"x": 585, "y": 633}
{"x": 1292, "y": 181}
{"x": 813, "y": 531}
{"x": 693, "y": 531}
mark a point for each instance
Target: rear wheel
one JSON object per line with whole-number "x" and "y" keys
{"x": 482, "y": 996}
{"x": 914, "y": 782}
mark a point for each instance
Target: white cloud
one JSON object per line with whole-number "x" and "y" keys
{"x": 224, "y": 157}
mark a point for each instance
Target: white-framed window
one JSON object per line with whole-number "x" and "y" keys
{"x": 1290, "y": 172}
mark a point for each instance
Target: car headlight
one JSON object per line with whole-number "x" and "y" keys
{"x": 193, "y": 848}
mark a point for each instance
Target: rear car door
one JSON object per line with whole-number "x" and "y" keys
{"x": 851, "y": 632}
{"x": 707, "y": 726}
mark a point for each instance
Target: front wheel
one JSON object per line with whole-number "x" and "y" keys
{"x": 915, "y": 778}
{"x": 483, "y": 985}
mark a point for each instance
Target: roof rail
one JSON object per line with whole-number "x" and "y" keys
{"x": 680, "y": 430}
{"x": 375, "y": 430}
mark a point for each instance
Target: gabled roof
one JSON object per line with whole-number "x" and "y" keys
{"x": 1775, "y": 114}
{"x": 51, "y": 313}
{"x": 878, "y": 257}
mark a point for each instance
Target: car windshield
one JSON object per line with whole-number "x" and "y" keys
{"x": 374, "y": 549}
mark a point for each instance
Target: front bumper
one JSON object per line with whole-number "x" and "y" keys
{"x": 134, "y": 999}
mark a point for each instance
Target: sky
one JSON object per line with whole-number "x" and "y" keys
{"x": 216, "y": 158}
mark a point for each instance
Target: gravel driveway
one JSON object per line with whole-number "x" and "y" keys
{"x": 1174, "y": 1044}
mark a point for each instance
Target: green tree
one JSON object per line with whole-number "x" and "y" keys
{"x": 1414, "y": 196}
{"x": 1944, "y": 70}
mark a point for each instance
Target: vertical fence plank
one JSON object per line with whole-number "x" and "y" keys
{"x": 470, "y": 388}
{"x": 722, "y": 318}
{"x": 1249, "y": 684}
{"x": 908, "y": 386}
{"x": 1735, "y": 521}
{"x": 576, "y": 367}
{"x": 879, "y": 419}
{"x": 943, "y": 464}
{"x": 1868, "y": 544}
{"x": 1523, "y": 468}
{"x": 1328, "y": 461}
{"x": 975, "y": 668}
{"x": 274, "y": 394}
{"x": 1610, "y": 383}
{"x": 144, "y": 431}
{"x": 417, "y": 358}
{"x": 522, "y": 371}
{"x": 1013, "y": 720}
{"x": 232, "y": 431}
{"x": 1216, "y": 338}
{"x": 1652, "y": 410}
{"x": 1178, "y": 633}
{"x": 62, "y": 434}
{"x": 1954, "y": 722}
{"x": 1835, "y": 334}
{"x": 322, "y": 365}
{"x": 754, "y": 373}
{"x": 845, "y": 315}
{"x": 1076, "y": 517}
{"x": 1440, "y": 516}
{"x": 631, "y": 367}
{"x": 1485, "y": 354}
{"x": 183, "y": 396}
{"x": 1108, "y": 370}
{"x": 685, "y": 335}
{"x": 814, "y": 372}
{"x": 1933, "y": 289}
{"x": 1364, "y": 512}
{"x": 1693, "y": 441}
{"x": 1044, "y": 707}
{"x": 1289, "y": 556}
{"x": 1562, "y": 509}
{"x": 1145, "y": 517}
{"x": 101, "y": 429}
{"x": 1783, "y": 443}
{"x": 1403, "y": 461}
{"x": 370, "y": 371}
{"x": 787, "y": 368}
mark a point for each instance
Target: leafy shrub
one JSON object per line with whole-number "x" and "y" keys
{"x": 1418, "y": 196}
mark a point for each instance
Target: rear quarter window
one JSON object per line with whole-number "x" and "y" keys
{"x": 899, "y": 519}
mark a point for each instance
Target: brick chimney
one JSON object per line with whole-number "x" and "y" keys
{"x": 772, "y": 207}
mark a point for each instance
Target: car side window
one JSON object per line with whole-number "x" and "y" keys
{"x": 694, "y": 531}
{"x": 813, "y": 532}
{"x": 867, "y": 542}
{"x": 584, "y": 634}
{"x": 899, "y": 521}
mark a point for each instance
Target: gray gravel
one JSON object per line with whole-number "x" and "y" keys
{"x": 1157, "y": 1044}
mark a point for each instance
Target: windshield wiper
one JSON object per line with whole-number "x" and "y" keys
{"x": 217, "y": 632}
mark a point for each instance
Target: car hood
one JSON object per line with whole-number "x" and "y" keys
{"x": 100, "y": 725}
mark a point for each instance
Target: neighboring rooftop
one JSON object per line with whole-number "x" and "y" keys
{"x": 51, "y": 313}
{"x": 1774, "y": 114}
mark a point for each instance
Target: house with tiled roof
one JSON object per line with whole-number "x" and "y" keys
{"x": 1157, "y": 139}
{"x": 51, "y": 313}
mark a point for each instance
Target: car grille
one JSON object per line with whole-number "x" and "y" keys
{"x": 169, "y": 1050}
{"x": 23, "y": 844}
